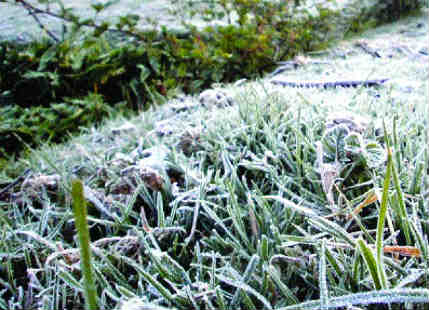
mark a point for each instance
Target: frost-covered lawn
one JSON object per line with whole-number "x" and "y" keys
{"x": 273, "y": 202}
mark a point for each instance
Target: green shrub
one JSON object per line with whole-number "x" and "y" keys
{"x": 369, "y": 14}
{"x": 390, "y": 10}
{"x": 158, "y": 63}
{"x": 42, "y": 124}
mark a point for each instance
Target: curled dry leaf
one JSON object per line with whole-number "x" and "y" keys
{"x": 33, "y": 185}
{"x": 151, "y": 178}
{"x": 328, "y": 173}
{"x": 370, "y": 198}
{"x": 403, "y": 250}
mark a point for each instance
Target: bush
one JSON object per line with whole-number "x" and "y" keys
{"x": 159, "y": 62}
{"x": 370, "y": 13}
{"x": 39, "y": 124}
{"x": 390, "y": 10}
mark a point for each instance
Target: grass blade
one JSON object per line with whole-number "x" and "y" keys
{"x": 367, "y": 298}
{"x": 81, "y": 222}
{"x": 333, "y": 229}
{"x": 380, "y": 223}
{"x": 370, "y": 261}
{"x": 287, "y": 203}
{"x": 402, "y": 210}
{"x": 245, "y": 288}
{"x": 282, "y": 286}
{"x": 250, "y": 269}
{"x": 150, "y": 279}
{"x": 323, "y": 286}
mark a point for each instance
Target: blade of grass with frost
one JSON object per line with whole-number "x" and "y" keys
{"x": 233, "y": 209}
{"x": 155, "y": 256}
{"x": 71, "y": 281}
{"x": 220, "y": 299}
{"x": 396, "y": 143}
{"x": 356, "y": 270}
{"x": 353, "y": 214}
{"x": 245, "y": 288}
{"x": 263, "y": 248}
{"x": 136, "y": 303}
{"x": 415, "y": 186}
{"x": 213, "y": 215}
{"x": 250, "y": 269}
{"x": 283, "y": 287}
{"x": 124, "y": 291}
{"x": 115, "y": 271}
{"x": 247, "y": 301}
{"x": 177, "y": 269}
{"x": 333, "y": 261}
{"x": 212, "y": 269}
{"x": 411, "y": 278}
{"x": 202, "y": 190}
{"x": 188, "y": 293}
{"x": 160, "y": 210}
{"x": 370, "y": 262}
{"x": 81, "y": 222}
{"x": 380, "y": 223}
{"x": 374, "y": 297}
{"x": 126, "y": 209}
{"x": 332, "y": 228}
{"x": 400, "y": 199}
{"x": 148, "y": 277}
{"x": 417, "y": 232}
{"x": 323, "y": 285}
{"x": 299, "y": 163}
{"x": 300, "y": 209}
{"x": 103, "y": 283}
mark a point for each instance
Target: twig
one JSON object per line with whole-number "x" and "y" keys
{"x": 31, "y": 11}
{"x": 364, "y": 46}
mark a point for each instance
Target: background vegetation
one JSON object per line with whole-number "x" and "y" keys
{"x": 273, "y": 202}
{"x": 53, "y": 87}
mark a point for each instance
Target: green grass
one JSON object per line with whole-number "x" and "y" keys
{"x": 81, "y": 222}
{"x": 240, "y": 220}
